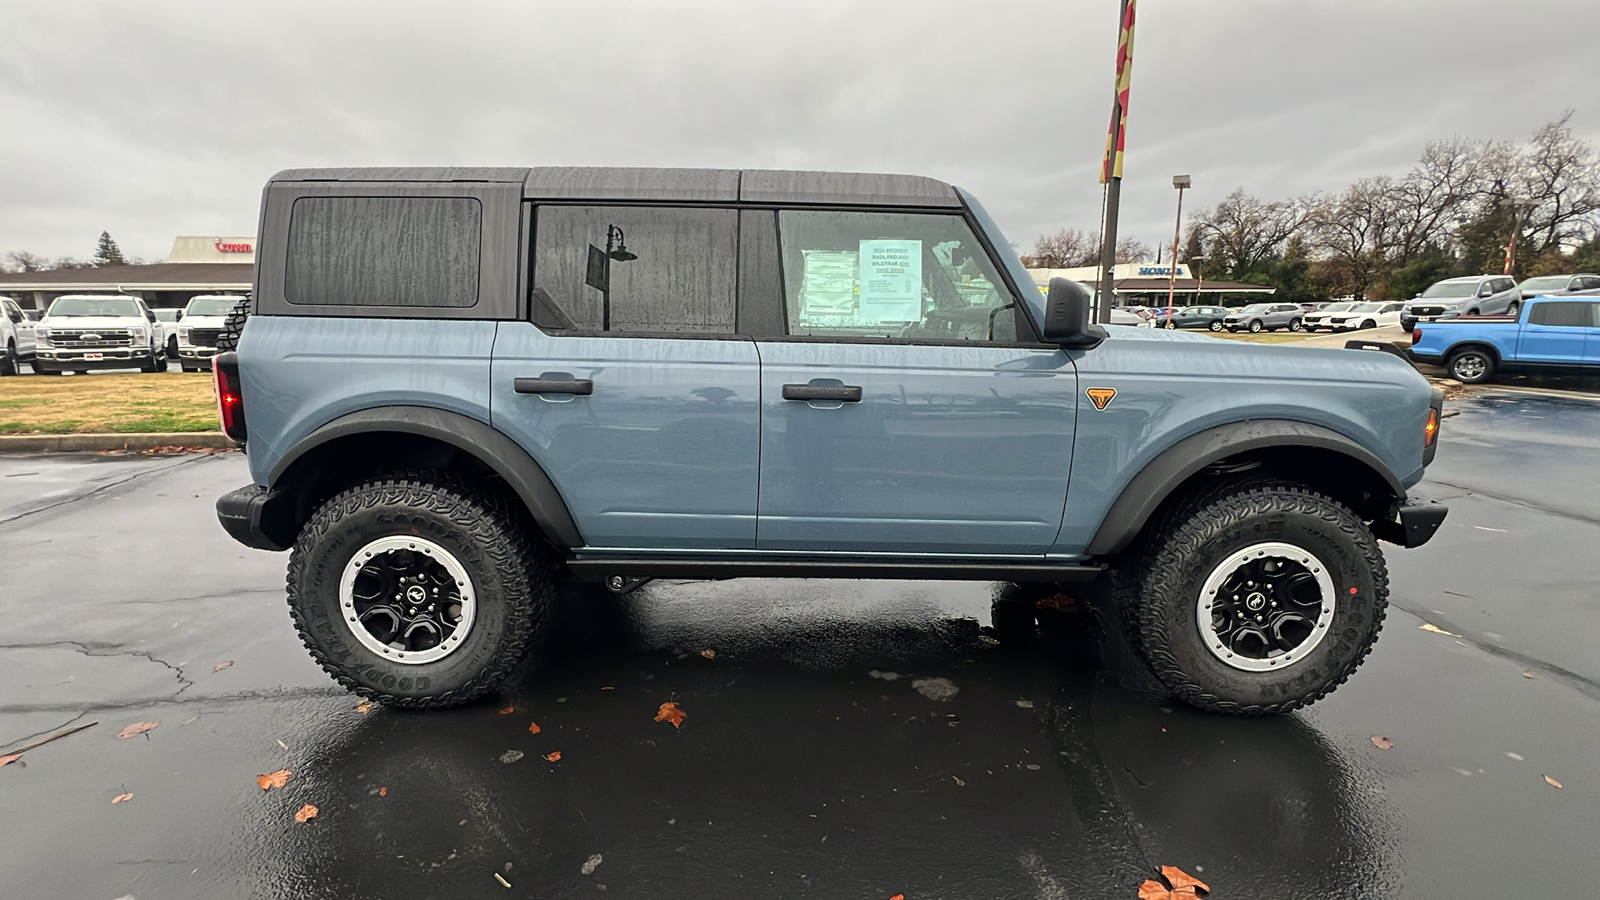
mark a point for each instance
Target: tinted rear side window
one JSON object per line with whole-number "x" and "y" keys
{"x": 384, "y": 251}
{"x": 1571, "y": 315}
{"x": 635, "y": 269}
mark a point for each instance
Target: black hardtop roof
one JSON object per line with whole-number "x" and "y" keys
{"x": 652, "y": 184}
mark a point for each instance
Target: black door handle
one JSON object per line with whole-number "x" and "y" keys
{"x": 583, "y": 387}
{"x": 847, "y": 393}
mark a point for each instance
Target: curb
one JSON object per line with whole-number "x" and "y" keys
{"x": 48, "y": 443}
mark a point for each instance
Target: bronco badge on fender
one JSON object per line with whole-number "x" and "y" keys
{"x": 1101, "y": 396}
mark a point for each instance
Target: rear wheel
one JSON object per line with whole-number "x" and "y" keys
{"x": 1256, "y": 600}
{"x": 1514, "y": 308}
{"x": 1471, "y": 366}
{"x": 1294, "y": 324}
{"x": 418, "y": 591}
{"x": 1216, "y": 326}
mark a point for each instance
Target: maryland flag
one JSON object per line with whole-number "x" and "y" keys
{"x": 1111, "y": 166}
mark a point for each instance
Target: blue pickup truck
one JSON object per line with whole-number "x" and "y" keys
{"x": 460, "y": 387}
{"x": 1547, "y": 332}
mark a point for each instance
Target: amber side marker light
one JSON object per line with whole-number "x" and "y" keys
{"x": 1430, "y": 432}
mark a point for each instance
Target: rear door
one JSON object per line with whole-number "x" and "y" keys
{"x": 1591, "y": 343}
{"x": 628, "y": 384}
{"x": 1556, "y": 332}
{"x": 901, "y": 412}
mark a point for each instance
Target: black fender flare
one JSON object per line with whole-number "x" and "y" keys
{"x": 500, "y": 453}
{"x": 1173, "y": 466}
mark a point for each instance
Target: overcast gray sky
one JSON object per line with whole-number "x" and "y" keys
{"x": 154, "y": 119}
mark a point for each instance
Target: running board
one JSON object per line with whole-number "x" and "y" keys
{"x": 689, "y": 567}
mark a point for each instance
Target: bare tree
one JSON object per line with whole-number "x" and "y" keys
{"x": 1561, "y": 173}
{"x": 23, "y": 261}
{"x": 1242, "y": 231}
{"x": 1356, "y": 232}
{"x": 1132, "y": 251}
{"x": 1066, "y": 249}
{"x": 1451, "y": 176}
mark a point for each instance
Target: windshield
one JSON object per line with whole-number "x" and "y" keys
{"x": 210, "y": 306}
{"x": 1366, "y": 307}
{"x": 1450, "y": 289}
{"x": 1257, "y": 308}
{"x": 1337, "y": 307}
{"x": 1548, "y": 283}
{"x": 95, "y": 306}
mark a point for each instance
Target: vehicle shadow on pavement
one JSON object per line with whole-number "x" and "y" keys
{"x": 841, "y": 739}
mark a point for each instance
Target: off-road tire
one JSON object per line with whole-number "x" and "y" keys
{"x": 512, "y": 573}
{"x": 1157, "y": 588}
{"x": 233, "y": 326}
{"x": 1471, "y": 375}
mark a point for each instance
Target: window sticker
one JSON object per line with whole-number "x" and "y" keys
{"x": 891, "y": 281}
{"x": 828, "y": 285}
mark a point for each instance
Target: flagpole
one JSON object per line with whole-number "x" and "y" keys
{"x": 1111, "y": 166}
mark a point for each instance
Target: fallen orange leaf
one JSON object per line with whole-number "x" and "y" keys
{"x": 121, "y": 798}
{"x": 306, "y": 812}
{"x": 364, "y": 707}
{"x": 8, "y": 760}
{"x": 274, "y": 779}
{"x": 1552, "y": 782}
{"x": 220, "y": 666}
{"x": 1183, "y": 880}
{"x": 383, "y": 792}
{"x": 508, "y": 711}
{"x": 898, "y": 897}
{"x": 136, "y": 729}
{"x": 553, "y": 756}
{"x": 1381, "y": 742}
{"x": 669, "y": 712}
{"x": 712, "y": 654}
{"x": 533, "y": 728}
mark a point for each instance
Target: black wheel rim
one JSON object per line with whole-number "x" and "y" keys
{"x": 407, "y": 599}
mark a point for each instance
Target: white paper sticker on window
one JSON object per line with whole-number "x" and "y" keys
{"x": 891, "y": 281}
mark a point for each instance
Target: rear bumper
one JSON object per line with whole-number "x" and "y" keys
{"x": 242, "y": 513}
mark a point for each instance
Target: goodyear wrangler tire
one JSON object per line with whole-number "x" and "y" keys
{"x": 1257, "y": 601}
{"x": 418, "y": 591}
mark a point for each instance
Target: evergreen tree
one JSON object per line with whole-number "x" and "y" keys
{"x": 107, "y": 253}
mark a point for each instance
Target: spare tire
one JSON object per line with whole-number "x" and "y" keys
{"x": 233, "y": 326}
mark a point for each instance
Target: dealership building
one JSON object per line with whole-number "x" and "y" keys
{"x": 1147, "y": 284}
{"x": 197, "y": 265}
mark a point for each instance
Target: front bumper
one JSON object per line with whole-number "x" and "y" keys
{"x": 79, "y": 360}
{"x": 251, "y": 516}
{"x": 1414, "y": 522}
{"x": 188, "y": 352}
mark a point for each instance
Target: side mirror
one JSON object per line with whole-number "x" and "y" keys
{"x": 149, "y": 315}
{"x": 1486, "y": 291}
{"x": 1066, "y": 316}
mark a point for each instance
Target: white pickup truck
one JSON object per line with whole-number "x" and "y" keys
{"x": 16, "y": 337}
{"x": 202, "y": 321}
{"x": 81, "y": 332}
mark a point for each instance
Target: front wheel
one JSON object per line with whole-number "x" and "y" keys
{"x": 1471, "y": 366}
{"x": 418, "y": 591}
{"x": 1255, "y": 326}
{"x": 1256, "y": 601}
{"x": 1368, "y": 324}
{"x": 8, "y": 361}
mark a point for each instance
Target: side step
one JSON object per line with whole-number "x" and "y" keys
{"x": 922, "y": 570}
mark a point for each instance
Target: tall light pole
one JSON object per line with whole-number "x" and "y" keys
{"x": 1180, "y": 182}
{"x": 1199, "y": 274}
{"x": 1519, "y": 210}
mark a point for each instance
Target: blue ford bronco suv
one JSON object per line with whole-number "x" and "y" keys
{"x": 458, "y": 386}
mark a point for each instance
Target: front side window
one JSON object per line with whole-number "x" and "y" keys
{"x": 384, "y": 251}
{"x": 921, "y": 276}
{"x": 635, "y": 269}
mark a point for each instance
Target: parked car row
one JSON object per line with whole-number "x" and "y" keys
{"x": 84, "y": 332}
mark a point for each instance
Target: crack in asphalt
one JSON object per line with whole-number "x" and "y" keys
{"x": 1525, "y": 504}
{"x": 28, "y": 737}
{"x": 88, "y": 649}
{"x": 89, "y": 494}
{"x": 328, "y": 693}
{"x": 1582, "y": 684}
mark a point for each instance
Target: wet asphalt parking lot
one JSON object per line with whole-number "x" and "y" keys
{"x": 844, "y": 739}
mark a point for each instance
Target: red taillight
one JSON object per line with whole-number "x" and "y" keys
{"x": 230, "y": 400}
{"x": 1416, "y": 335}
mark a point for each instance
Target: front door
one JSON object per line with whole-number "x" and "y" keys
{"x": 900, "y": 414}
{"x": 629, "y": 387}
